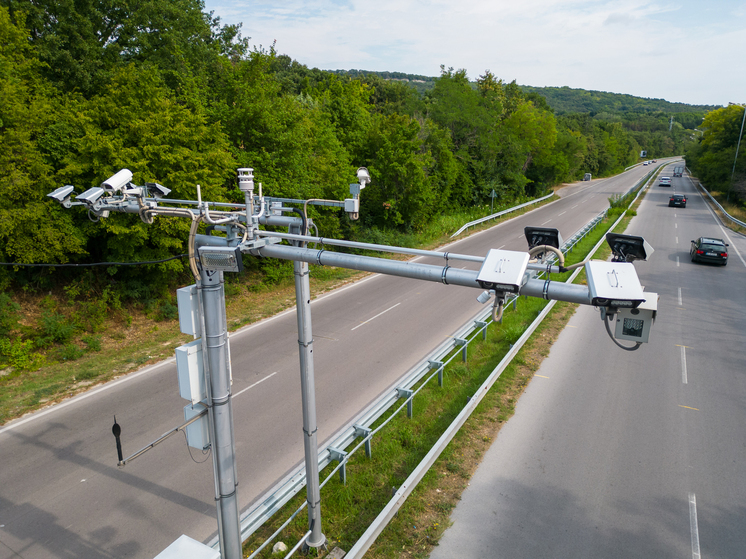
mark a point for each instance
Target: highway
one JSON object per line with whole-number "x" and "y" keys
{"x": 628, "y": 454}
{"x": 62, "y": 495}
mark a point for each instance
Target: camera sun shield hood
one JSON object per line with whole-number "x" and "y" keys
{"x": 503, "y": 270}
{"x": 627, "y": 248}
{"x": 542, "y": 236}
{"x": 613, "y": 284}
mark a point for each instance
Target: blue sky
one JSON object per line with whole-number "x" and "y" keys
{"x": 687, "y": 51}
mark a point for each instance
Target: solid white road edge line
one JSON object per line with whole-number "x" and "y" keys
{"x": 693, "y": 526}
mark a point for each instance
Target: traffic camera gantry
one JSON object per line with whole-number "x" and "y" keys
{"x": 205, "y": 380}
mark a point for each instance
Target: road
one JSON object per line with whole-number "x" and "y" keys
{"x": 628, "y": 454}
{"x": 61, "y": 494}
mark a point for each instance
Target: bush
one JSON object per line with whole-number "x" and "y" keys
{"x": 8, "y": 315}
{"x": 19, "y": 355}
{"x": 70, "y": 352}
{"x": 93, "y": 342}
{"x": 57, "y": 328}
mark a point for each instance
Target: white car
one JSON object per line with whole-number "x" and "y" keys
{"x": 664, "y": 181}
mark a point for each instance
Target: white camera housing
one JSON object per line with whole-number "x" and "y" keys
{"x": 503, "y": 270}
{"x": 90, "y": 196}
{"x": 62, "y": 195}
{"x": 613, "y": 284}
{"x": 634, "y": 324}
{"x": 117, "y": 182}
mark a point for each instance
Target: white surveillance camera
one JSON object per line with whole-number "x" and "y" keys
{"x": 90, "y": 196}
{"x": 117, "y": 182}
{"x": 503, "y": 270}
{"x": 613, "y": 285}
{"x": 62, "y": 195}
{"x": 634, "y": 324}
{"x": 157, "y": 190}
{"x": 485, "y": 296}
{"x": 363, "y": 176}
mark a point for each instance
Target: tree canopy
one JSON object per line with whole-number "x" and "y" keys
{"x": 162, "y": 88}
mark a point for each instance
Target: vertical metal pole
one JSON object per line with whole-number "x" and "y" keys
{"x": 732, "y": 174}
{"x": 308, "y": 393}
{"x": 215, "y": 334}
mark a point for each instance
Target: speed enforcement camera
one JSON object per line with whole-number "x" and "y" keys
{"x": 634, "y": 324}
{"x": 503, "y": 270}
{"x": 613, "y": 284}
{"x": 627, "y": 248}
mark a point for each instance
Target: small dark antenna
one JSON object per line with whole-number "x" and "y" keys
{"x": 117, "y": 430}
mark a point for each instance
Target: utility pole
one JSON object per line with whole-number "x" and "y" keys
{"x": 308, "y": 400}
{"x": 738, "y": 146}
{"x": 220, "y": 411}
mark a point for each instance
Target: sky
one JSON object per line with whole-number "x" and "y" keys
{"x": 688, "y": 51}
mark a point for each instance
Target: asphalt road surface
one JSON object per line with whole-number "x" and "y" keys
{"x": 628, "y": 454}
{"x": 62, "y": 495}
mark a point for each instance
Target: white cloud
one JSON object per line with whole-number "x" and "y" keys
{"x": 664, "y": 50}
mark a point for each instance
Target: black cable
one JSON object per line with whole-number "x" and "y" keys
{"x": 608, "y": 318}
{"x": 94, "y": 264}
{"x": 305, "y": 227}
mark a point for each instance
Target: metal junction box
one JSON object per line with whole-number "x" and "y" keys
{"x": 198, "y": 433}
{"x": 503, "y": 270}
{"x": 192, "y": 385}
{"x": 613, "y": 284}
{"x": 188, "y": 304}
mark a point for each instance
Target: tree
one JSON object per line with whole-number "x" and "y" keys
{"x": 136, "y": 123}
{"x": 32, "y": 228}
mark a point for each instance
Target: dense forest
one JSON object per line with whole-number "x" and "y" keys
{"x": 718, "y": 159}
{"x": 164, "y": 89}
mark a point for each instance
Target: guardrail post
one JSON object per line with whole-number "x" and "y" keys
{"x": 361, "y": 431}
{"x": 406, "y": 393}
{"x": 341, "y": 457}
{"x": 483, "y": 326}
{"x": 438, "y": 365}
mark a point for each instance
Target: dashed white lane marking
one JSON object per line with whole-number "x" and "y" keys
{"x": 373, "y": 318}
{"x": 683, "y": 365}
{"x": 680, "y": 303}
{"x": 253, "y": 385}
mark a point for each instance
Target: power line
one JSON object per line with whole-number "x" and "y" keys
{"x": 93, "y": 264}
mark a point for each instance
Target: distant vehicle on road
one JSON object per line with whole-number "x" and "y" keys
{"x": 646, "y": 163}
{"x": 707, "y": 249}
{"x": 677, "y": 200}
{"x": 664, "y": 181}
{"x": 587, "y": 177}
{"x": 678, "y": 171}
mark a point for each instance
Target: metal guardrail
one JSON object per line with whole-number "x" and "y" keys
{"x": 428, "y": 368}
{"x": 498, "y": 214}
{"x": 719, "y": 207}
